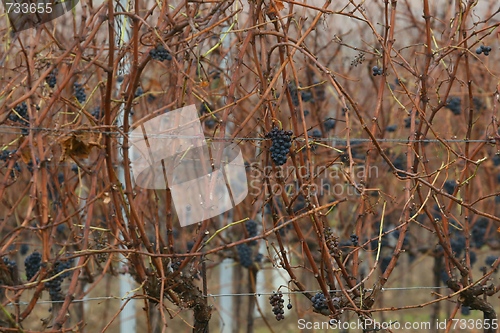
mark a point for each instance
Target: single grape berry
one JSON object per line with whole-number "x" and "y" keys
{"x": 159, "y": 53}
{"x": 479, "y": 50}
{"x": 449, "y": 186}
{"x": 391, "y": 128}
{"x": 51, "y": 79}
{"x": 316, "y": 133}
{"x": 329, "y": 124}
{"x": 138, "y": 92}
{"x": 289, "y": 306}
{"x": 276, "y": 300}
{"x": 281, "y": 143}
{"x": 245, "y": 255}
{"x": 79, "y": 92}
{"x": 32, "y": 264}
{"x": 465, "y": 310}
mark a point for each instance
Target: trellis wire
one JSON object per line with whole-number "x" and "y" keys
{"x": 228, "y": 139}
{"x": 107, "y": 298}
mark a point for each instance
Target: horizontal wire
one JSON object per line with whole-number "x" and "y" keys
{"x": 315, "y": 291}
{"x": 105, "y": 298}
{"x": 229, "y": 139}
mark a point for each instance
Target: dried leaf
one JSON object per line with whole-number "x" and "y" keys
{"x": 79, "y": 144}
{"x": 278, "y": 5}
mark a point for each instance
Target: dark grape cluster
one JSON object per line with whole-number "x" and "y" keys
{"x": 176, "y": 264}
{"x": 159, "y": 53}
{"x": 457, "y": 243}
{"x": 444, "y": 276}
{"x": 319, "y": 302}
{"x": 210, "y": 122}
{"x": 472, "y": 258}
{"x": 11, "y": 264}
{"x": 400, "y": 164}
{"x": 384, "y": 263}
{"x": 329, "y": 124}
{"x": 300, "y": 204}
{"x": 377, "y": 71}
{"x": 258, "y": 257}
{"x": 21, "y": 114}
{"x": 454, "y": 104}
{"x": 479, "y": 232}
{"x": 79, "y": 92}
{"x": 251, "y": 227}
{"x": 496, "y": 160}
{"x": 406, "y": 240}
{"x": 391, "y": 128}
{"x": 5, "y": 155}
{"x": 319, "y": 91}
{"x": 32, "y": 264}
{"x": 23, "y": 249}
{"x": 354, "y": 240}
{"x": 408, "y": 122}
{"x": 483, "y": 49}
{"x": 294, "y": 94}
{"x": 204, "y": 108}
{"x": 97, "y": 113}
{"x": 307, "y": 96}
{"x": 51, "y": 79}
{"x": 245, "y": 255}
{"x": 281, "y": 143}
{"x": 54, "y": 284}
{"x": 490, "y": 260}
{"x": 276, "y": 300}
